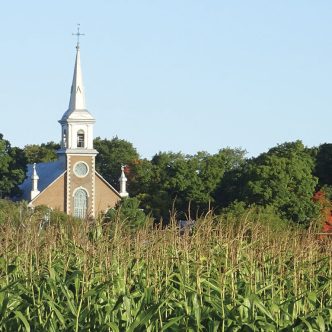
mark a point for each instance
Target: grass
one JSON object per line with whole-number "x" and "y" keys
{"x": 229, "y": 275}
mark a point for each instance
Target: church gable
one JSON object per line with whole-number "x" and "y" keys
{"x": 54, "y": 195}
{"x": 106, "y": 195}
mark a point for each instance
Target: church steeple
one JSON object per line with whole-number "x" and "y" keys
{"x": 77, "y": 122}
{"x": 76, "y": 108}
{"x": 71, "y": 183}
{"x": 77, "y": 98}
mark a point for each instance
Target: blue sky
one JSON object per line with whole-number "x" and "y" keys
{"x": 175, "y": 75}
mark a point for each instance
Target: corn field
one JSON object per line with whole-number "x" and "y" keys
{"x": 224, "y": 276}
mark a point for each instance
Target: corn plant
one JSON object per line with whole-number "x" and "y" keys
{"x": 223, "y": 276}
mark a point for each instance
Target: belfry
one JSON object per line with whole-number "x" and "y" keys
{"x": 71, "y": 183}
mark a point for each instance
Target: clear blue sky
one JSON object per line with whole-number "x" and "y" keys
{"x": 175, "y": 75}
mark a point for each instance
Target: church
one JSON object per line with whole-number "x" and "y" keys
{"x": 71, "y": 183}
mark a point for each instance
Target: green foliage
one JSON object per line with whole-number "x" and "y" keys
{"x": 49, "y": 216}
{"x": 20, "y": 214}
{"x": 185, "y": 182}
{"x": 238, "y": 213}
{"x": 12, "y": 168}
{"x": 323, "y": 167}
{"x": 9, "y": 211}
{"x": 234, "y": 211}
{"x": 112, "y": 154}
{"x": 128, "y": 212}
{"x": 35, "y": 153}
{"x": 223, "y": 278}
{"x": 281, "y": 178}
{"x": 327, "y": 190}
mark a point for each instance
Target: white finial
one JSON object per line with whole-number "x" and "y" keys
{"x": 34, "y": 178}
{"x": 123, "y": 183}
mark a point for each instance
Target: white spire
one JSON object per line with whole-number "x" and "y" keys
{"x": 77, "y": 98}
{"x": 123, "y": 183}
{"x": 34, "y": 178}
{"x": 77, "y": 123}
{"x": 77, "y": 109}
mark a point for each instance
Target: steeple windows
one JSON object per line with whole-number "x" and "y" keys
{"x": 80, "y": 139}
{"x": 64, "y": 138}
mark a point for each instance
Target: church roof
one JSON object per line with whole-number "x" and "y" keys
{"x": 47, "y": 172}
{"x": 77, "y": 109}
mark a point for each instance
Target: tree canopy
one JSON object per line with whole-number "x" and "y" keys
{"x": 323, "y": 168}
{"x": 12, "y": 168}
{"x": 282, "y": 178}
{"x": 112, "y": 154}
{"x": 181, "y": 182}
{"x": 41, "y": 153}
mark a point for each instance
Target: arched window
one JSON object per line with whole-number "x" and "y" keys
{"x": 80, "y": 139}
{"x": 80, "y": 203}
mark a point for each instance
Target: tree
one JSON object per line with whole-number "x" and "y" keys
{"x": 12, "y": 168}
{"x": 182, "y": 181}
{"x": 195, "y": 178}
{"x": 233, "y": 186}
{"x": 212, "y": 168}
{"x": 150, "y": 183}
{"x": 281, "y": 178}
{"x": 111, "y": 155}
{"x": 323, "y": 167}
{"x": 41, "y": 153}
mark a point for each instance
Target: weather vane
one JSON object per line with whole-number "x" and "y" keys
{"x": 78, "y": 34}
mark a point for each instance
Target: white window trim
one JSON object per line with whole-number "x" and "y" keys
{"x": 80, "y": 187}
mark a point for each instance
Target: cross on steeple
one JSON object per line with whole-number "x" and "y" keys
{"x": 78, "y": 34}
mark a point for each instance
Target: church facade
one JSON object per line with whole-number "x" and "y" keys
{"x": 71, "y": 183}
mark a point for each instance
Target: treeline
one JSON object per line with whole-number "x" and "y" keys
{"x": 282, "y": 180}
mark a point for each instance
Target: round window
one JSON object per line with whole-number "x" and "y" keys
{"x": 81, "y": 169}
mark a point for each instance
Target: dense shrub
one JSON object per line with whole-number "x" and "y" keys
{"x": 129, "y": 213}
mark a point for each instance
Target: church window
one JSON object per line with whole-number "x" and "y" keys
{"x": 80, "y": 203}
{"x": 64, "y": 138}
{"x": 81, "y": 169}
{"x": 80, "y": 139}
